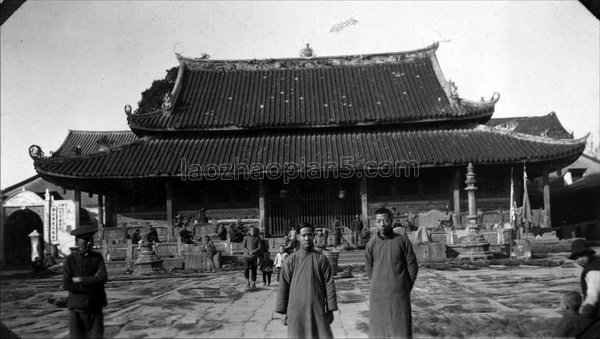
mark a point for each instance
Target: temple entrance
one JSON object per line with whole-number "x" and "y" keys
{"x": 316, "y": 201}
{"x": 18, "y": 244}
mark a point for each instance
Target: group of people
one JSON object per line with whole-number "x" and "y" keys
{"x": 257, "y": 257}
{"x": 307, "y": 295}
{"x": 581, "y": 312}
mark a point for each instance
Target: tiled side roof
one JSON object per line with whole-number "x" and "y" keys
{"x": 311, "y": 93}
{"x": 86, "y": 142}
{"x": 157, "y": 157}
{"x": 547, "y": 125}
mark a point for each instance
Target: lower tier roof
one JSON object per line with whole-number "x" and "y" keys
{"x": 170, "y": 156}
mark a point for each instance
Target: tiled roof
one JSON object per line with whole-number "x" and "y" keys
{"x": 166, "y": 156}
{"x": 404, "y": 87}
{"x": 547, "y": 125}
{"x": 86, "y": 142}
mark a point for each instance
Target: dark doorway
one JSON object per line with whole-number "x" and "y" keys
{"x": 315, "y": 201}
{"x": 17, "y": 243}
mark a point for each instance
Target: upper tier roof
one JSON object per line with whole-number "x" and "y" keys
{"x": 392, "y": 88}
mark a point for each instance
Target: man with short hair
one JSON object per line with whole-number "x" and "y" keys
{"x": 391, "y": 265}
{"x": 252, "y": 246}
{"x": 84, "y": 276}
{"x": 357, "y": 227}
{"x": 306, "y": 294}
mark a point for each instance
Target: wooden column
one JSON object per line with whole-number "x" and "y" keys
{"x": 77, "y": 200}
{"x": 364, "y": 201}
{"x": 111, "y": 209}
{"x": 169, "y": 205}
{"x": 456, "y": 196}
{"x": 101, "y": 216}
{"x": 262, "y": 204}
{"x": 547, "y": 198}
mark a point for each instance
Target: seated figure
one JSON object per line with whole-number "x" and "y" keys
{"x": 446, "y": 221}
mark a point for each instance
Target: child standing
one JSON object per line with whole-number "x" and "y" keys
{"x": 279, "y": 259}
{"x": 266, "y": 267}
{"x": 572, "y": 323}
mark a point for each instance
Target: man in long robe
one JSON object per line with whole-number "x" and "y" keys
{"x": 391, "y": 265}
{"x": 306, "y": 294}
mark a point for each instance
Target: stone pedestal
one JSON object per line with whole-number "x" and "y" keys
{"x": 474, "y": 246}
{"x": 147, "y": 261}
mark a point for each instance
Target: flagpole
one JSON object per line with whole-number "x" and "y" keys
{"x": 512, "y": 217}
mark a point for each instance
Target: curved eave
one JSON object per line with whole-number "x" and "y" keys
{"x": 160, "y": 157}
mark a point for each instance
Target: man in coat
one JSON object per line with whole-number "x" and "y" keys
{"x": 252, "y": 246}
{"x": 590, "y": 286}
{"x": 306, "y": 294}
{"x": 84, "y": 276}
{"x": 391, "y": 265}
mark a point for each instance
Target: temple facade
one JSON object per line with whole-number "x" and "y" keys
{"x": 306, "y": 139}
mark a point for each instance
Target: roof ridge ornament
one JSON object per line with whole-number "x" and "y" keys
{"x": 307, "y": 52}
{"x": 36, "y": 153}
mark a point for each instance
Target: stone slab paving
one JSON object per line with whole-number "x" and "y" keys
{"x": 495, "y": 301}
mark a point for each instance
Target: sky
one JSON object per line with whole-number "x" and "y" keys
{"x": 74, "y": 65}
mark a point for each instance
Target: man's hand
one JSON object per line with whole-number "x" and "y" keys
{"x": 284, "y": 320}
{"x": 76, "y": 279}
{"x": 329, "y": 316}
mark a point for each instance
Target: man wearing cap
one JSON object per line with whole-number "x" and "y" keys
{"x": 84, "y": 277}
{"x": 590, "y": 277}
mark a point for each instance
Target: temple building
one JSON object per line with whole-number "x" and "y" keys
{"x": 306, "y": 139}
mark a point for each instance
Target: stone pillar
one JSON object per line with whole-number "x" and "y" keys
{"x": 364, "y": 201}
{"x": 262, "y": 203}
{"x": 35, "y": 245}
{"x": 169, "y": 206}
{"x": 473, "y": 246}
{"x": 471, "y": 188}
{"x": 547, "y": 199}
{"x": 456, "y": 196}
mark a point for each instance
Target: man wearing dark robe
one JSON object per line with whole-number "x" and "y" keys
{"x": 84, "y": 276}
{"x": 391, "y": 265}
{"x": 306, "y": 294}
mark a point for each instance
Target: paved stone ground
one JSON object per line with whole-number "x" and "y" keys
{"x": 495, "y": 301}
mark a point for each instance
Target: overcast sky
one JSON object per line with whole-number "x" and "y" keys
{"x": 74, "y": 65}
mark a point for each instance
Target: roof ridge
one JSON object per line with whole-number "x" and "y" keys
{"x": 422, "y": 52}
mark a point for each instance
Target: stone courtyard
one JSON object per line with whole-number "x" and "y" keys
{"x": 494, "y": 301}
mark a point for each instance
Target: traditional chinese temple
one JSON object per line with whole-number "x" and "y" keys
{"x": 307, "y": 139}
